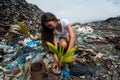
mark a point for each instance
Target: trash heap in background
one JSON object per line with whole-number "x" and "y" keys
{"x": 100, "y": 49}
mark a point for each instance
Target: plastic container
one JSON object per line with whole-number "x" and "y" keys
{"x": 15, "y": 63}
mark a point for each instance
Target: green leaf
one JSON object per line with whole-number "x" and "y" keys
{"x": 61, "y": 52}
{"x": 52, "y": 48}
{"x": 68, "y": 59}
{"x": 23, "y": 28}
{"x": 69, "y": 53}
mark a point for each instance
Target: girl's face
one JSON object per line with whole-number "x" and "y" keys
{"x": 51, "y": 24}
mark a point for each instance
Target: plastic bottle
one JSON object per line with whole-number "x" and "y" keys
{"x": 15, "y": 63}
{"x": 5, "y": 47}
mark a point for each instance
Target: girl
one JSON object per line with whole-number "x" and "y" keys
{"x": 53, "y": 29}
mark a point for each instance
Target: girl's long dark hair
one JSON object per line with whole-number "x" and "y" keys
{"x": 47, "y": 34}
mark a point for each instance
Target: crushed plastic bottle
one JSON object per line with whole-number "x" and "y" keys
{"x": 15, "y": 63}
{"x": 8, "y": 49}
{"x": 5, "y": 47}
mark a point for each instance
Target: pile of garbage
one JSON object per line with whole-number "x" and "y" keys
{"x": 12, "y": 11}
{"x": 100, "y": 51}
{"x": 97, "y": 57}
{"x": 23, "y": 57}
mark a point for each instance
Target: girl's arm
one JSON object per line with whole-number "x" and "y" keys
{"x": 55, "y": 43}
{"x": 72, "y": 37}
{"x": 55, "y": 40}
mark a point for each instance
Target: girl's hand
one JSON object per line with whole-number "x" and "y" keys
{"x": 55, "y": 68}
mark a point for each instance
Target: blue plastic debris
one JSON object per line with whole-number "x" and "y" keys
{"x": 31, "y": 44}
{"x": 64, "y": 73}
{"x": 40, "y": 48}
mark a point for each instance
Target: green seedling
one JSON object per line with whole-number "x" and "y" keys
{"x": 63, "y": 57}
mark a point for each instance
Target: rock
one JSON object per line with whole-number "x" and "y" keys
{"x": 38, "y": 71}
{"x": 117, "y": 46}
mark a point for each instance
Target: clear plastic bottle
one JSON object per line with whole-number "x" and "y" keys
{"x": 15, "y": 63}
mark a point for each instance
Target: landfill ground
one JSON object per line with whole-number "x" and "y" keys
{"x": 96, "y": 49}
